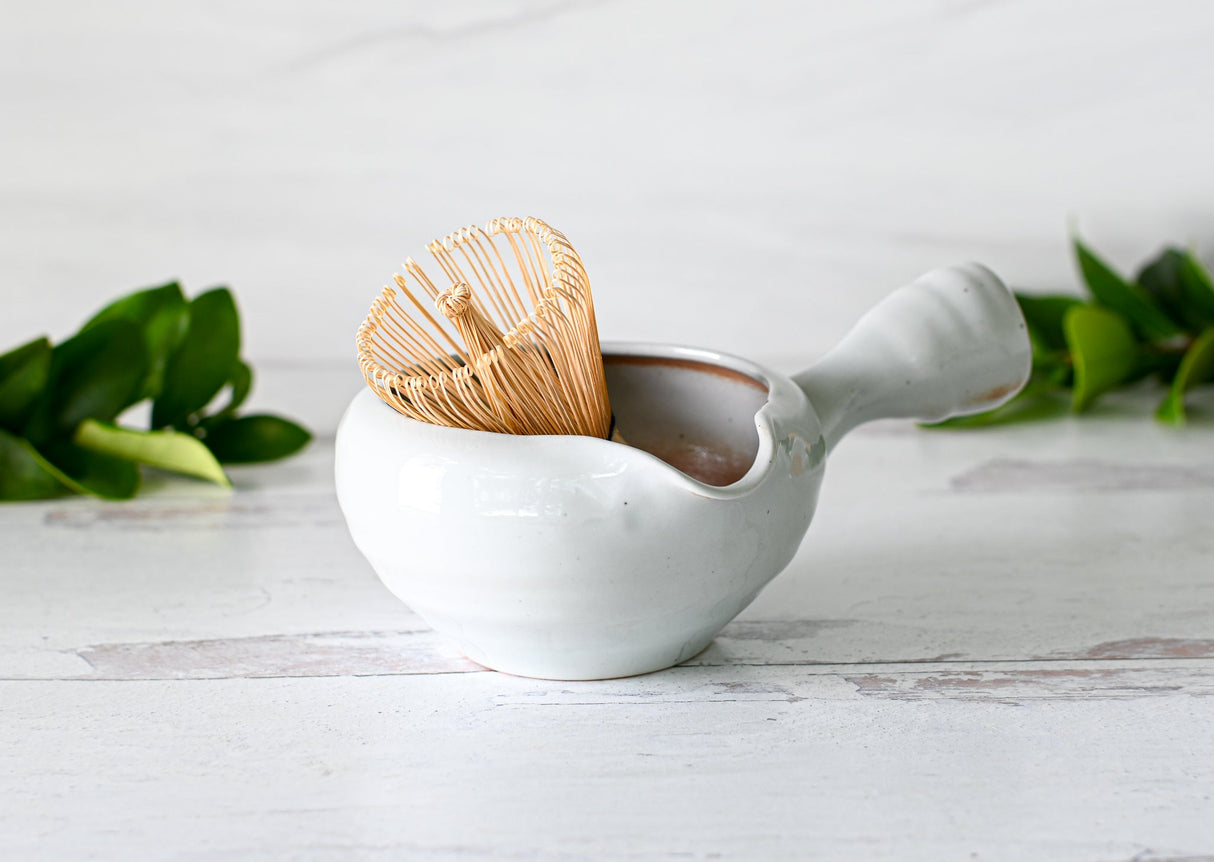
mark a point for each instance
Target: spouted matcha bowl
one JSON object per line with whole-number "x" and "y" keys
{"x": 568, "y": 557}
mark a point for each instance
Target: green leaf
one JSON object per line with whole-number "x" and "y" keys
{"x": 1162, "y": 278}
{"x": 88, "y": 472}
{"x": 1029, "y": 405}
{"x": 1163, "y": 364}
{"x": 23, "y": 375}
{"x": 1116, "y": 294}
{"x": 1196, "y": 366}
{"x": 1104, "y": 351}
{"x": 241, "y": 378}
{"x": 95, "y": 374}
{"x": 1198, "y": 289}
{"x": 241, "y": 382}
{"x": 1044, "y": 314}
{"x": 255, "y": 438}
{"x": 163, "y": 315}
{"x": 24, "y": 474}
{"x": 203, "y": 362}
{"x": 167, "y": 450}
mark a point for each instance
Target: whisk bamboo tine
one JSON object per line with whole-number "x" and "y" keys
{"x": 514, "y": 347}
{"x": 533, "y": 292}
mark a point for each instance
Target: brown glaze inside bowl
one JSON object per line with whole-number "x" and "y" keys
{"x": 697, "y": 417}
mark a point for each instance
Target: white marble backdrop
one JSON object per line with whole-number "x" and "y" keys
{"x": 747, "y": 176}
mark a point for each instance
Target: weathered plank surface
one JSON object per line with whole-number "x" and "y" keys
{"x": 757, "y": 763}
{"x": 975, "y": 655}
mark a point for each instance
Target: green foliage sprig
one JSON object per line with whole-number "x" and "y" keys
{"x": 1161, "y": 323}
{"x": 58, "y": 404}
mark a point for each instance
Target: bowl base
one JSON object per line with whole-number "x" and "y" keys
{"x": 651, "y": 662}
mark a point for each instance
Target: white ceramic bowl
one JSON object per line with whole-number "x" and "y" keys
{"x": 577, "y": 558}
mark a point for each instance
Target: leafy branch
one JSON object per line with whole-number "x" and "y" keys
{"x": 59, "y": 404}
{"x": 1161, "y": 323}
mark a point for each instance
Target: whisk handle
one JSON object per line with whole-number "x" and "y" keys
{"x": 951, "y": 343}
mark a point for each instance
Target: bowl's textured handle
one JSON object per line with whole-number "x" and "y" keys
{"x": 950, "y": 343}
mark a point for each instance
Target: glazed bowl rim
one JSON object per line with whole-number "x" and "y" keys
{"x": 777, "y": 387}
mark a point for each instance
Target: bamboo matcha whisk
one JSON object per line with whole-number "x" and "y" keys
{"x": 511, "y": 345}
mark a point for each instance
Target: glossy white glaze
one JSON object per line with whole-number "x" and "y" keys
{"x": 573, "y": 557}
{"x": 952, "y": 342}
{"x": 579, "y": 558}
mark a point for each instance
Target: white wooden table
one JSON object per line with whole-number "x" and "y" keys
{"x": 992, "y": 645}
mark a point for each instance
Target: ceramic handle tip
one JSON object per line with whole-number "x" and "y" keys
{"x": 952, "y": 342}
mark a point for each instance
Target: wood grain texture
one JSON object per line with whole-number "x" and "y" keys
{"x": 760, "y": 764}
{"x": 1014, "y": 665}
{"x": 992, "y": 646}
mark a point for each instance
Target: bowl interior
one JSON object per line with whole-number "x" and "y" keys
{"x": 696, "y": 416}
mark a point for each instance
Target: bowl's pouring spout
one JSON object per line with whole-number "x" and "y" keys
{"x": 951, "y": 343}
